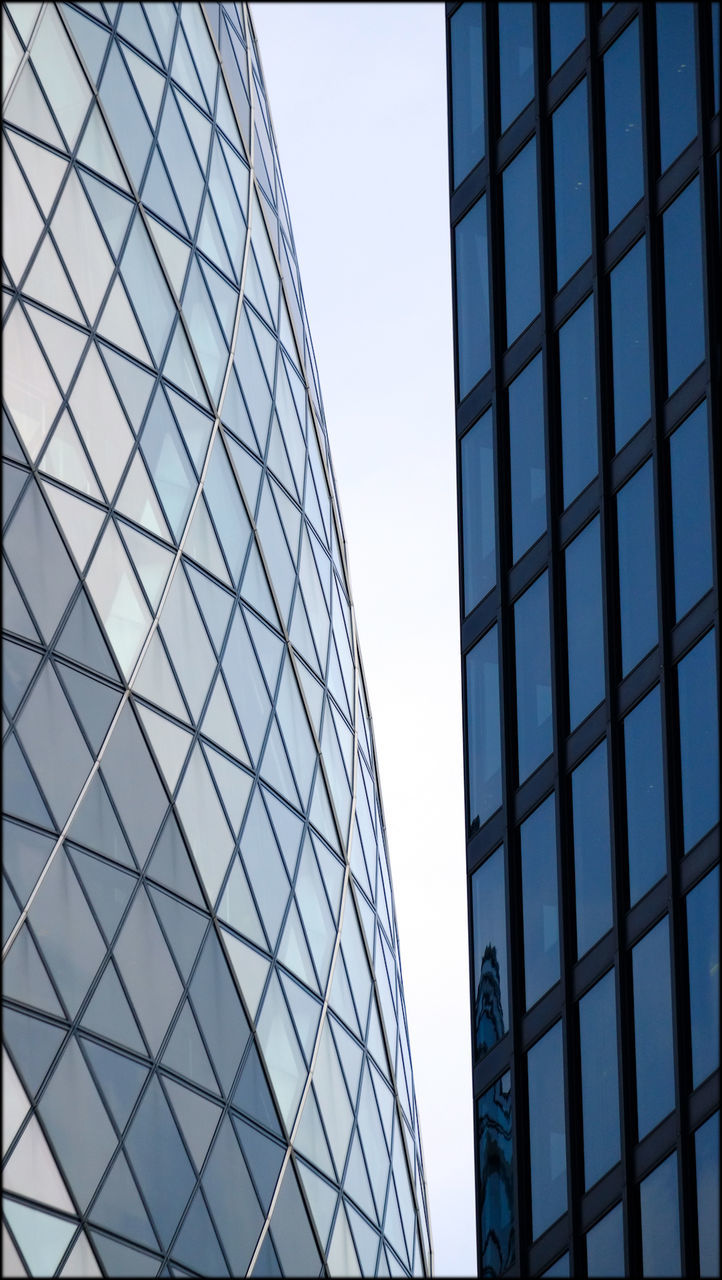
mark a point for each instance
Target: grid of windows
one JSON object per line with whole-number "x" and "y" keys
{"x": 206, "y": 1063}
{"x": 585, "y": 240}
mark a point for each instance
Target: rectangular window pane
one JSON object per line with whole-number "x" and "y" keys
{"x": 483, "y": 729}
{"x": 526, "y": 450}
{"x": 703, "y": 944}
{"x": 592, "y": 852}
{"x": 706, "y": 1148}
{"x": 547, "y": 1131}
{"x": 578, "y": 394}
{"x": 605, "y": 1245}
{"x": 600, "y": 1079}
{"x": 491, "y": 992}
{"x": 496, "y": 1178}
{"x": 646, "y": 843}
{"x": 533, "y": 676}
{"x": 516, "y": 59}
{"x": 566, "y": 31}
{"x": 691, "y": 513}
{"x": 630, "y": 344}
{"x": 478, "y": 511}
{"x": 653, "y": 1030}
{"x": 521, "y": 239}
{"x": 538, "y": 838}
{"x": 637, "y": 567}
{"x": 472, "y": 297}
{"x": 659, "y": 1203}
{"x": 623, "y": 115}
{"x": 467, "y": 89}
{"x": 683, "y": 285}
{"x": 571, "y": 183}
{"x": 585, "y": 623}
{"x": 699, "y": 740}
{"x": 677, "y": 80}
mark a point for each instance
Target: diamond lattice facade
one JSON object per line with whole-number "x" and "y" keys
{"x": 206, "y": 1058}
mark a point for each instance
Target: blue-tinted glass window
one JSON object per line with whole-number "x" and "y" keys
{"x": 478, "y": 511}
{"x": 566, "y": 31}
{"x": 592, "y": 853}
{"x": 547, "y": 1131}
{"x": 491, "y": 992}
{"x": 483, "y": 729}
{"x": 659, "y": 1204}
{"x": 472, "y": 297}
{"x": 623, "y": 117}
{"x": 605, "y": 1245}
{"x": 585, "y": 623}
{"x": 703, "y": 944}
{"x": 715, "y": 49}
{"x": 571, "y": 183}
{"x": 646, "y": 843}
{"x": 630, "y": 344}
{"x": 526, "y": 454}
{"x": 706, "y": 1149}
{"x": 578, "y": 394}
{"x": 516, "y": 59}
{"x": 533, "y": 677}
{"x": 699, "y": 740}
{"x": 683, "y": 285}
{"x": 467, "y": 89}
{"x": 637, "y": 567}
{"x": 653, "y": 1029}
{"x": 691, "y": 512}
{"x": 600, "y": 1079}
{"x": 538, "y": 838}
{"x": 521, "y": 239}
{"x": 677, "y": 79}
{"x": 496, "y": 1178}
{"x": 560, "y": 1266}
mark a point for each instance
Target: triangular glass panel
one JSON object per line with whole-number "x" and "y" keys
{"x": 197, "y": 1243}
{"x": 132, "y": 26}
{"x": 306, "y": 1011}
{"x": 108, "y": 888}
{"x": 342, "y": 1259}
{"x": 19, "y": 666}
{"x": 302, "y": 641}
{"x": 293, "y": 951}
{"x": 265, "y": 868}
{"x": 21, "y": 795}
{"x": 289, "y": 829}
{"x": 158, "y": 194}
{"x": 267, "y": 345}
{"x": 149, "y": 83}
{"x": 79, "y": 520}
{"x": 119, "y": 1206}
{"x": 94, "y": 703}
{"x": 195, "y": 427}
{"x": 122, "y": 1260}
{"x": 151, "y": 562}
{"x": 264, "y": 1158}
{"x": 251, "y": 970}
{"x": 185, "y": 1052}
{"x": 250, "y": 472}
{"x": 62, "y": 343}
{"x": 184, "y": 72}
{"x": 156, "y": 682}
{"x": 112, "y": 209}
{"x": 184, "y": 928}
{"x": 43, "y": 1237}
{"x": 281, "y": 1052}
{"x": 310, "y": 1136}
{"x": 351, "y": 1055}
{"x": 180, "y": 367}
{"x": 366, "y": 1240}
{"x": 321, "y": 812}
{"x": 322, "y": 1198}
{"x": 171, "y": 866}
{"x": 238, "y": 908}
{"x": 174, "y": 253}
{"x": 33, "y": 1043}
{"x": 91, "y": 39}
{"x": 137, "y": 500}
{"x": 11, "y": 446}
{"x": 234, "y": 785}
{"x": 254, "y": 291}
{"x": 235, "y": 415}
{"x": 97, "y": 151}
{"x": 32, "y": 1171}
{"x": 252, "y": 1095}
{"x": 96, "y": 825}
{"x": 341, "y": 999}
{"x": 210, "y": 240}
{"x": 66, "y": 460}
{"x": 197, "y": 1117}
{"x": 44, "y": 170}
{"x": 118, "y": 324}
{"x": 110, "y": 1015}
{"x": 255, "y": 588}
{"x": 214, "y": 604}
{"x": 277, "y": 458}
{"x": 198, "y": 126}
{"x": 28, "y": 109}
{"x": 202, "y": 544}
{"x": 132, "y": 383}
{"x": 356, "y": 1183}
{"x": 224, "y": 297}
{"x": 169, "y": 742}
{"x": 162, "y": 23}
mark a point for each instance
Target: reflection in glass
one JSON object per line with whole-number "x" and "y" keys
{"x": 467, "y": 88}
{"x": 703, "y": 948}
{"x": 691, "y": 514}
{"x": 605, "y": 1245}
{"x": 600, "y": 1079}
{"x": 571, "y": 183}
{"x": 699, "y": 740}
{"x": 585, "y": 623}
{"x": 592, "y": 853}
{"x": 566, "y": 31}
{"x": 472, "y": 297}
{"x": 706, "y": 1150}
{"x": 659, "y": 1204}
{"x": 646, "y": 843}
{"x": 547, "y": 1131}
{"x": 521, "y": 239}
{"x": 677, "y": 80}
{"x": 683, "y": 285}
{"x": 516, "y": 59}
{"x": 526, "y": 457}
{"x": 653, "y": 1028}
{"x": 478, "y": 510}
{"x": 483, "y": 730}
{"x": 496, "y": 1173}
{"x": 637, "y": 567}
{"x": 623, "y": 115}
{"x": 533, "y": 677}
{"x": 491, "y": 1016}
{"x": 630, "y": 344}
{"x": 578, "y": 395}
{"x": 538, "y": 838}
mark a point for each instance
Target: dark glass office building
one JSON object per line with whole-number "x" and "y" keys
{"x": 584, "y": 156}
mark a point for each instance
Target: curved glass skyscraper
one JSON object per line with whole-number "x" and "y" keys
{"x": 206, "y": 1056}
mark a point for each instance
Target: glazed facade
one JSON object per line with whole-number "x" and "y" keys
{"x": 584, "y": 157}
{"x": 206, "y": 1060}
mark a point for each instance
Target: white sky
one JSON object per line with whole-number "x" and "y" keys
{"x": 358, "y": 101}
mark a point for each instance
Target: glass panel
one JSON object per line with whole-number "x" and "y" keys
{"x": 571, "y": 182}
{"x": 467, "y": 88}
{"x": 600, "y": 1080}
{"x": 637, "y": 567}
{"x": 683, "y": 284}
{"x": 491, "y": 991}
{"x": 578, "y": 393}
{"x": 526, "y": 449}
{"x": 646, "y": 843}
{"x": 630, "y": 344}
{"x": 538, "y": 836}
{"x": 483, "y": 730}
{"x": 623, "y": 112}
{"x": 659, "y": 1203}
{"x": 585, "y": 623}
{"x": 691, "y": 514}
{"x": 533, "y": 676}
{"x": 472, "y": 297}
{"x": 547, "y": 1131}
{"x": 653, "y": 1029}
{"x": 699, "y": 741}
{"x": 478, "y": 510}
{"x": 703, "y": 944}
{"x": 605, "y": 1245}
{"x": 566, "y": 31}
{"x": 516, "y": 59}
{"x": 496, "y": 1178}
{"x": 706, "y": 1149}
{"x": 558, "y": 1268}
{"x": 77, "y": 1124}
{"x": 715, "y": 60}
{"x": 118, "y": 599}
{"x": 592, "y": 849}
{"x": 521, "y": 238}
{"x": 164, "y": 1172}
{"x": 676, "y": 68}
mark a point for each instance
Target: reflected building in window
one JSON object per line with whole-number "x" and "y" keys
{"x": 584, "y": 149}
{"x": 206, "y": 1060}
